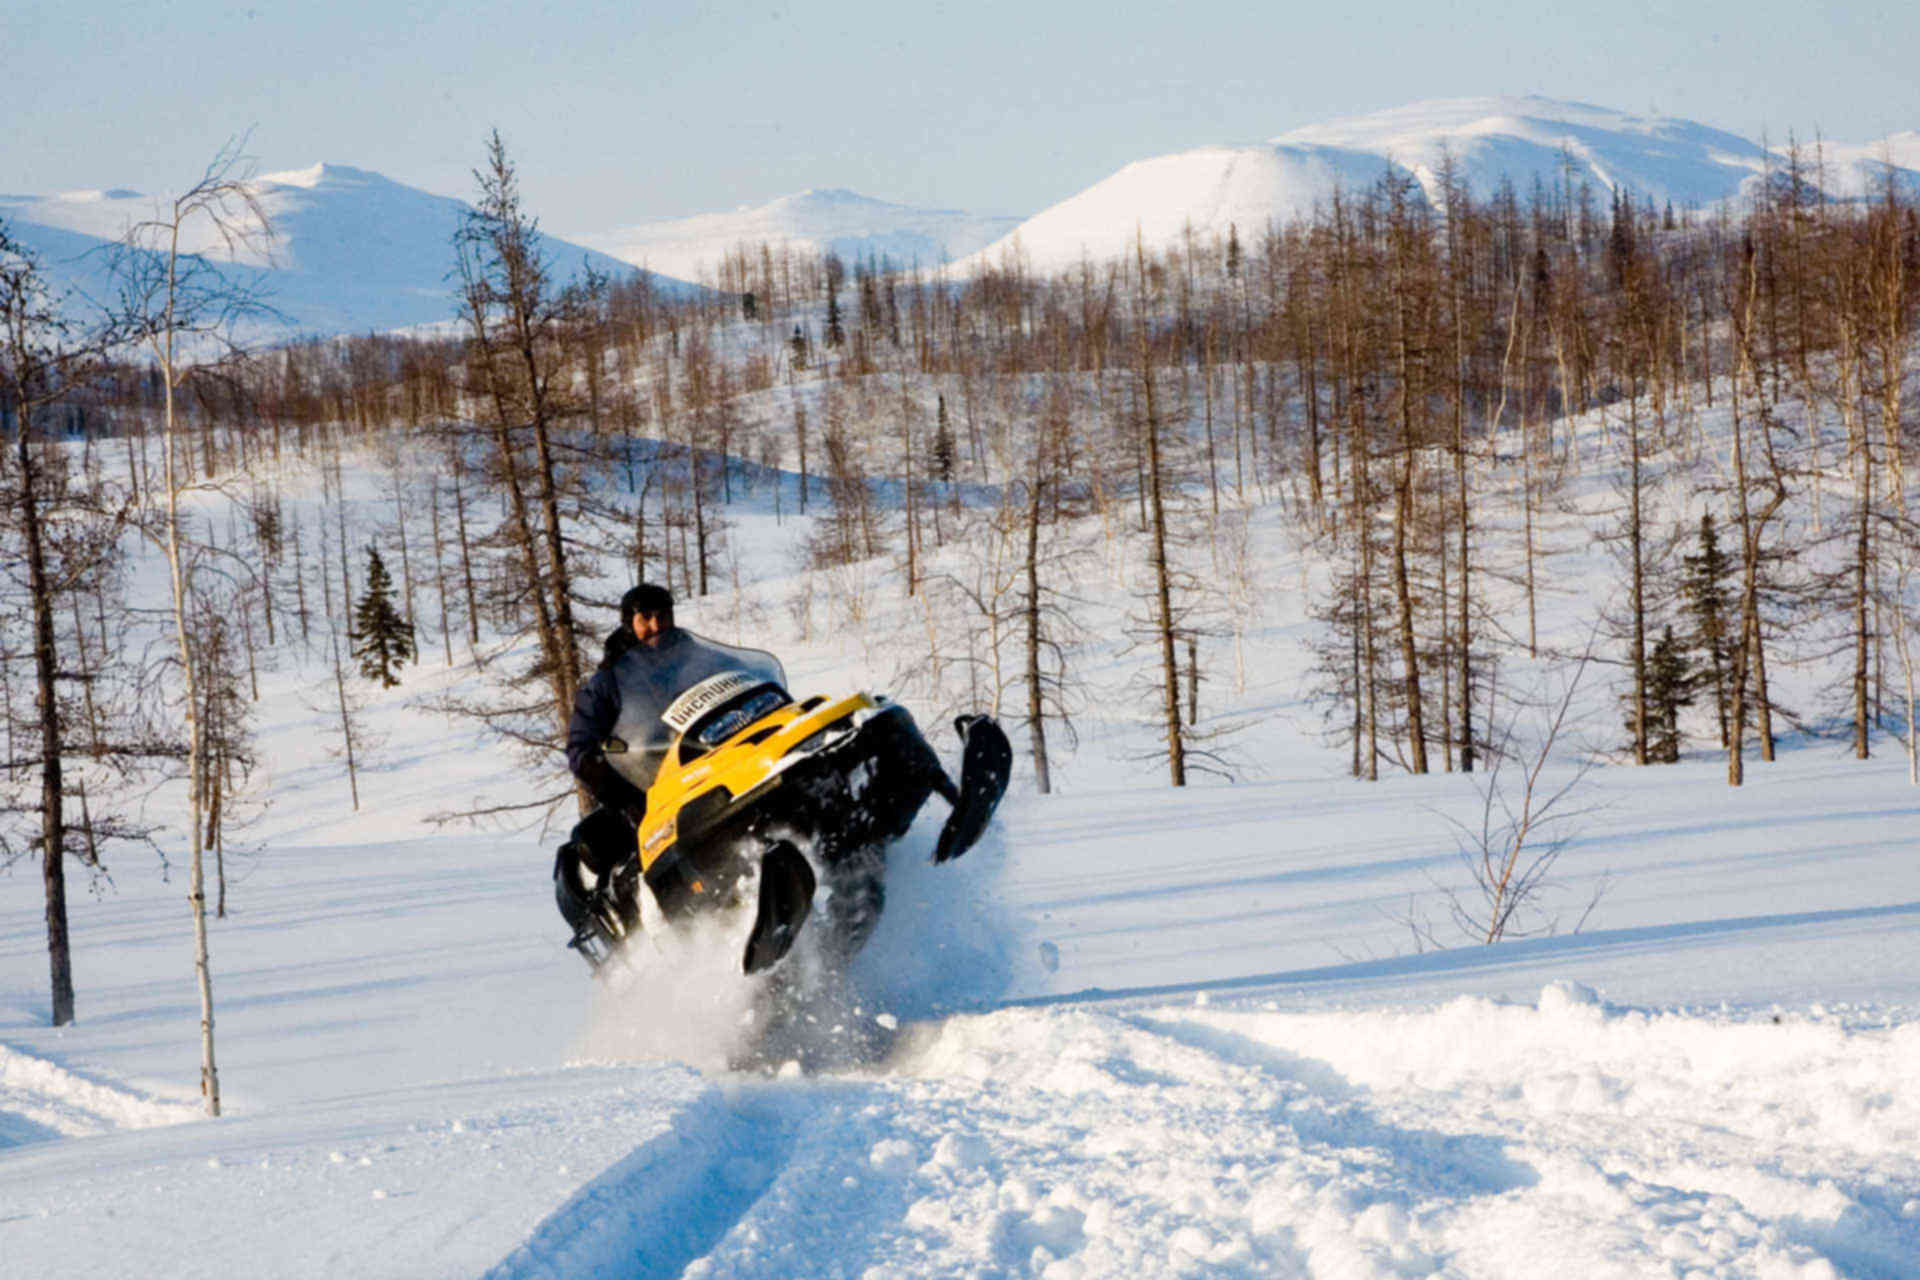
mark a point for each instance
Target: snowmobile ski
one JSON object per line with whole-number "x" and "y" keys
{"x": 986, "y": 762}
{"x": 786, "y": 896}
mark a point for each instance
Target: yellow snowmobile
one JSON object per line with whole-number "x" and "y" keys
{"x": 752, "y": 791}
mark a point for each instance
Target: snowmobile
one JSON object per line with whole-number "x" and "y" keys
{"x": 753, "y": 790}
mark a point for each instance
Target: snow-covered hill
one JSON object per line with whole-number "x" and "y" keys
{"x": 1488, "y": 140}
{"x": 1860, "y": 170}
{"x": 854, "y": 226}
{"x": 353, "y": 251}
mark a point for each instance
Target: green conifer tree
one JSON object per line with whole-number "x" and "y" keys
{"x": 1670, "y": 684}
{"x": 382, "y": 639}
{"x": 1704, "y": 585}
{"x": 942, "y": 445}
{"x": 836, "y": 333}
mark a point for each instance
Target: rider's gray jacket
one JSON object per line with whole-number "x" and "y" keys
{"x": 625, "y": 699}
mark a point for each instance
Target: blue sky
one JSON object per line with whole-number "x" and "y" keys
{"x": 616, "y": 113}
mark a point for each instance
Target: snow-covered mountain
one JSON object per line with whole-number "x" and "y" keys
{"x": 353, "y": 251}
{"x": 846, "y": 222}
{"x": 1859, "y": 170}
{"x": 1488, "y": 140}
{"x": 358, "y": 251}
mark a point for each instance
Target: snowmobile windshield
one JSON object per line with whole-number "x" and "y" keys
{"x": 725, "y": 721}
{"x": 650, "y": 680}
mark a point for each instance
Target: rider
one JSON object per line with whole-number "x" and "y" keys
{"x": 616, "y": 738}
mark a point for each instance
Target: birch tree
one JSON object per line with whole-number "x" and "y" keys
{"x": 183, "y": 307}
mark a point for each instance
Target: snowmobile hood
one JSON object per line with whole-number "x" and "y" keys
{"x": 742, "y": 770}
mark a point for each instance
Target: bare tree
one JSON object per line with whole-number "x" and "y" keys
{"x": 1156, "y": 481}
{"x": 521, "y": 376}
{"x": 345, "y": 711}
{"x": 60, "y": 534}
{"x": 1519, "y": 838}
{"x": 181, "y": 306}
{"x": 227, "y": 759}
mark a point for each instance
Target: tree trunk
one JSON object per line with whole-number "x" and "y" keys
{"x": 466, "y": 558}
{"x": 1862, "y": 714}
{"x": 346, "y": 724}
{"x": 906, "y": 471}
{"x": 1638, "y": 595}
{"x": 53, "y": 827}
{"x": 1403, "y": 599}
{"x": 1163, "y": 584}
{"x": 440, "y": 566}
{"x": 1036, "y": 706}
{"x": 196, "y": 731}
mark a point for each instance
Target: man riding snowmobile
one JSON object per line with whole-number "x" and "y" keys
{"x": 742, "y": 776}
{"x": 646, "y": 664}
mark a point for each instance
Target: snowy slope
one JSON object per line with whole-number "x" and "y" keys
{"x": 1135, "y": 1032}
{"x": 1205, "y": 191}
{"x": 1487, "y": 140}
{"x": 1655, "y": 157}
{"x": 854, "y": 226}
{"x": 353, "y": 252}
{"x": 420, "y": 1083}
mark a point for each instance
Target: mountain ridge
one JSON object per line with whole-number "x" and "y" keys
{"x": 359, "y": 251}
{"x": 815, "y": 220}
{"x": 1487, "y": 140}
{"x": 353, "y": 250}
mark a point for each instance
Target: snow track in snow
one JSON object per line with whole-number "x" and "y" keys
{"x": 654, "y": 1213}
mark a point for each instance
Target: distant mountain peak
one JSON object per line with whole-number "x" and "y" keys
{"x": 353, "y": 250}
{"x": 1485, "y": 140}
{"x": 326, "y": 173}
{"x": 818, "y": 219}
{"x": 95, "y": 197}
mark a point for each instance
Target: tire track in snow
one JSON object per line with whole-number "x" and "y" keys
{"x": 664, "y": 1206}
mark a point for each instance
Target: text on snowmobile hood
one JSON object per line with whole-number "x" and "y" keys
{"x": 704, "y": 697}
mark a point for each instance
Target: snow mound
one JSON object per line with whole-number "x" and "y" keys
{"x": 39, "y": 1099}
{"x": 1568, "y": 1136}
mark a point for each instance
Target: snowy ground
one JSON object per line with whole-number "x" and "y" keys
{"x": 1136, "y": 1032}
{"x": 1206, "y": 1065}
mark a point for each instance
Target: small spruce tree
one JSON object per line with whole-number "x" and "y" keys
{"x": 1709, "y": 599}
{"x": 942, "y": 467}
{"x": 836, "y": 334}
{"x": 1670, "y": 684}
{"x": 382, "y": 639}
